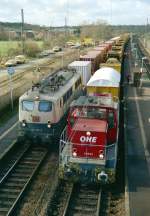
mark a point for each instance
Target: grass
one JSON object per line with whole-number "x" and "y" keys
{"x": 5, "y": 46}
{"x": 40, "y": 44}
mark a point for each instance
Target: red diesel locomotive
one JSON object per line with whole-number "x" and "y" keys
{"x": 88, "y": 145}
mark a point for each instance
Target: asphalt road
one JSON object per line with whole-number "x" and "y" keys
{"x": 34, "y": 62}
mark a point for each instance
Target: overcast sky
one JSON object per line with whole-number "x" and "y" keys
{"x": 53, "y": 12}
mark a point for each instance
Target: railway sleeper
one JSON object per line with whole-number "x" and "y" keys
{"x": 84, "y": 209}
{"x": 18, "y": 180}
{"x": 86, "y": 202}
{"x": 86, "y": 193}
{"x": 13, "y": 185}
{"x": 21, "y": 166}
{"x": 3, "y": 211}
{"x": 8, "y": 196}
{"x": 2, "y": 190}
{"x": 5, "y": 203}
{"x": 31, "y": 163}
{"x": 19, "y": 175}
{"x": 15, "y": 182}
{"x": 37, "y": 150}
{"x": 32, "y": 159}
{"x": 82, "y": 214}
{"x": 87, "y": 196}
{"x": 19, "y": 170}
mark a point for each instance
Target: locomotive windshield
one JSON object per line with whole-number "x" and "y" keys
{"x": 45, "y": 106}
{"x": 27, "y": 105}
{"x": 89, "y": 112}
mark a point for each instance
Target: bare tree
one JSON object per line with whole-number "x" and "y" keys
{"x": 98, "y": 30}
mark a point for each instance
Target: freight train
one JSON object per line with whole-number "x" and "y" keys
{"x": 43, "y": 109}
{"x": 89, "y": 143}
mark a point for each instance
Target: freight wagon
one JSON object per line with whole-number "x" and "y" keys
{"x": 84, "y": 68}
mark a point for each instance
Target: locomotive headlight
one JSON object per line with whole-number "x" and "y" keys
{"x": 37, "y": 98}
{"x": 88, "y": 133}
{"x": 74, "y": 153}
{"x": 49, "y": 124}
{"x": 23, "y": 123}
{"x": 101, "y": 156}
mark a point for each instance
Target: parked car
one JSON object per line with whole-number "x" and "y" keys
{"x": 70, "y": 43}
{"x": 10, "y": 62}
{"x": 20, "y": 59}
{"x": 76, "y": 46}
{"x": 45, "y": 53}
{"x": 57, "y": 49}
{"x": 50, "y": 51}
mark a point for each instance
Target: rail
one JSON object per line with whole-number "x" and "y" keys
{"x": 83, "y": 199}
{"x": 144, "y": 53}
{"x": 15, "y": 77}
{"x": 17, "y": 179}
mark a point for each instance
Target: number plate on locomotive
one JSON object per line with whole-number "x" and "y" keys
{"x": 35, "y": 118}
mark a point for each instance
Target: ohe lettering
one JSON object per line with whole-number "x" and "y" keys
{"x": 88, "y": 139}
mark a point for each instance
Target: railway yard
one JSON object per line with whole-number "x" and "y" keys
{"x": 31, "y": 182}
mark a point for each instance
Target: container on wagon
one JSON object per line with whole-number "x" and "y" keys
{"x": 84, "y": 68}
{"x": 105, "y": 80}
{"x": 106, "y": 46}
{"x": 110, "y": 43}
{"x": 94, "y": 58}
{"x": 113, "y": 63}
{"x": 115, "y": 39}
{"x": 103, "y": 51}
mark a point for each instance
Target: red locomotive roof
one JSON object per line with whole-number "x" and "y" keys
{"x": 90, "y": 125}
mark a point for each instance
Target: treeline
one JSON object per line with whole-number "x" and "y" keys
{"x": 137, "y": 29}
{"x": 99, "y": 30}
{"x": 17, "y": 26}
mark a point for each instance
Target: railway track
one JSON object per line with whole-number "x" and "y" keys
{"x": 142, "y": 53}
{"x": 17, "y": 178}
{"x": 75, "y": 200}
{"x": 10, "y": 158}
{"x": 83, "y": 200}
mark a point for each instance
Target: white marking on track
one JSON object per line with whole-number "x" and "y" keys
{"x": 9, "y": 130}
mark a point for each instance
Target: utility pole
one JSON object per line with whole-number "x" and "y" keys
{"x": 65, "y": 26}
{"x": 66, "y": 19}
{"x": 110, "y": 12}
{"x": 22, "y": 30}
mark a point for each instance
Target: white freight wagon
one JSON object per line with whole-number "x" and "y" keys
{"x": 84, "y": 68}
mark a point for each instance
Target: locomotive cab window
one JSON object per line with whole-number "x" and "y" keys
{"x": 45, "y": 106}
{"x": 27, "y": 105}
{"x": 111, "y": 120}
